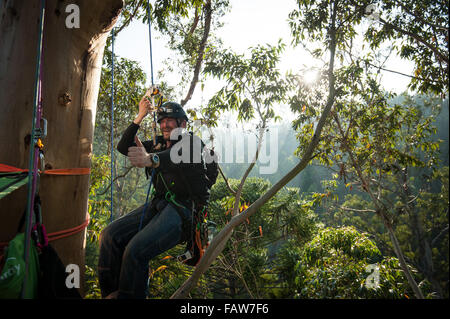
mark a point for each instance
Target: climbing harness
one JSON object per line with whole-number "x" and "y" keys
{"x": 198, "y": 240}
{"x": 170, "y": 196}
{"x": 197, "y": 230}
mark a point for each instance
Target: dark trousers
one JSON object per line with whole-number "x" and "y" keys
{"x": 125, "y": 251}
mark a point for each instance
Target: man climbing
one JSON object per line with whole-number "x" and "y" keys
{"x": 181, "y": 187}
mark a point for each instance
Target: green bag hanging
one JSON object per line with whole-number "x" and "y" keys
{"x": 13, "y": 273}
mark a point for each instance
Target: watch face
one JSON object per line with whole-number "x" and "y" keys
{"x": 155, "y": 158}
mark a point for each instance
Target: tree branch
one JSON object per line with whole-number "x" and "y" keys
{"x": 226, "y": 181}
{"x": 195, "y": 23}
{"x": 126, "y": 23}
{"x": 418, "y": 17}
{"x": 419, "y": 39}
{"x": 359, "y": 210}
{"x": 439, "y": 236}
{"x": 128, "y": 169}
{"x": 201, "y": 51}
{"x": 379, "y": 67}
{"x": 247, "y": 172}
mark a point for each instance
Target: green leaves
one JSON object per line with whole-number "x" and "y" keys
{"x": 334, "y": 265}
{"x": 253, "y": 85}
{"x": 417, "y": 31}
{"x": 247, "y": 260}
{"x": 421, "y": 31}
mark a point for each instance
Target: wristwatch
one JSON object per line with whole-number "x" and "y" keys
{"x": 155, "y": 160}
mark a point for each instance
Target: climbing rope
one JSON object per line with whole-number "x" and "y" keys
{"x": 155, "y": 91}
{"x": 34, "y": 148}
{"x": 112, "y": 125}
{"x": 150, "y": 40}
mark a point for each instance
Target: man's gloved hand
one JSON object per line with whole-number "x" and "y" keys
{"x": 138, "y": 156}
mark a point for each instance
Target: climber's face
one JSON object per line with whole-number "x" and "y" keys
{"x": 167, "y": 125}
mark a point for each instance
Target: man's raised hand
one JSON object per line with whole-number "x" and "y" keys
{"x": 145, "y": 106}
{"x": 137, "y": 154}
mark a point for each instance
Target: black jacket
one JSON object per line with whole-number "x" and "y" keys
{"x": 186, "y": 179}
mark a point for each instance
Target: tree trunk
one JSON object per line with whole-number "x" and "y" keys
{"x": 72, "y": 59}
{"x": 421, "y": 241}
{"x": 401, "y": 260}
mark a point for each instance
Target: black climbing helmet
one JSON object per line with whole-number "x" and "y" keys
{"x": 171, "y": 109}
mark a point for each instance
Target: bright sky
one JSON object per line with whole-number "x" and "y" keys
{"x": 249, "y": 23}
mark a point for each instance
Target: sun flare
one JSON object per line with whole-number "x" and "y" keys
{"x": 310, "y": 76}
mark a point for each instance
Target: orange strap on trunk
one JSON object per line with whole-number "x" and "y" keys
{"x": 59, "y": 234}
{"x": 59, "y": 171}
{"x": 10, "y": 169}
{"x": 64, "y": 171}
{"x": 68, "y": 171}
{"x": 68, "y": 232}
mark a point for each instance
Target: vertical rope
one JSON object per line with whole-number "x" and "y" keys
{"x": 154, "y": 113}
{"x": 151, "y": 64}
{"x": 151, "y": 57}
{"x": 34, "y": 153}
{"x": 150, "y": 40}
{"x": 112, "y": 126}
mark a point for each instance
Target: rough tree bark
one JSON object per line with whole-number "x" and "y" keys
{"x": 72, "y": 59}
